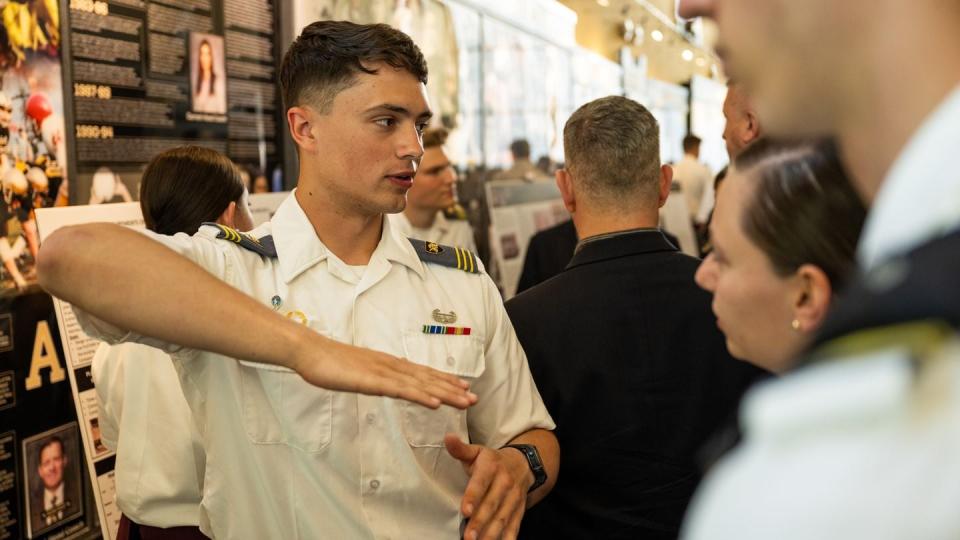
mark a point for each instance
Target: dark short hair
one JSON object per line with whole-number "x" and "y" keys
{"x": 186, "y": 186}
{"x": 612, "y": 148}
{"x": 50, "y": 441}
{"x": 325, "y": 59}
{"x": 804, "y": 209}
{"x": 433, "y": 137}
{"x": 690, "y": 142}
{"x": 520, "y": 149}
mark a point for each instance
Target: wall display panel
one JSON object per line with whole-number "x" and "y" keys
{"x": 44, "y": 486}
{"x": 707, "y": 120}
{"x": 466, "y": 141}
{"x": 149, "y": 75}
{"x": 594, "y": 77}
{"x": 33, "y": 152}
{"x": 634, "y": 75}
{"x": 44, "y": 490}
{"x": 526, "y": 92}
{"x": 668, "y": 103}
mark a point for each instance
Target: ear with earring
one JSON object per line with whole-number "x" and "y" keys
{"x": 795, "y": 324}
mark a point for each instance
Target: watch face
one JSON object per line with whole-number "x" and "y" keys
{"x": 534, "y": 456}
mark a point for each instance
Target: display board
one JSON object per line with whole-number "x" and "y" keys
{"x": 148, "y": 75}
{"x": 518, "y": 210}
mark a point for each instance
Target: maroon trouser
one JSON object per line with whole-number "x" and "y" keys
{"x": 129, "y": 530}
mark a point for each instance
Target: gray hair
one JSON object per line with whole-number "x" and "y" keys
{"x": 612, "y": 148}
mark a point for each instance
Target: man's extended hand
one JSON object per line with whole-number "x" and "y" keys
{"x": 496, "y": 495}
{"x": 338, "y": 366}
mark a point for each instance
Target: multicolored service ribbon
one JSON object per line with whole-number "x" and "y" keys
{"x": 449, "y": 330}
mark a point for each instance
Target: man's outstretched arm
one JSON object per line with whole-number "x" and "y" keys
{"x": 128, "y": 280}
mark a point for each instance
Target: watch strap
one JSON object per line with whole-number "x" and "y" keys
{"x": 532, "y": 455}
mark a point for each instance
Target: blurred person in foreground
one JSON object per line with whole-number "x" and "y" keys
{"x": 622, "y": 344}
{"x": 144, "y": 417}
{"x": 785, "y": 233}
{"x": 860, "y": 440}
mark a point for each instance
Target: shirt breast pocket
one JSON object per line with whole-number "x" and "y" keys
{"x": 279, "y": 407}
{"x": 459, "y": 355}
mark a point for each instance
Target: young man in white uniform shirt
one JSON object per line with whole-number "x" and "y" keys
{"x": 433, "y": 193}
{"x": 862, "y": 440}
{"x": 284, "y": 457}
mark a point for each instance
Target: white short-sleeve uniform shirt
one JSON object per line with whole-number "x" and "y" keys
{"x": 145, "y": 419}
{"x": 285, "y": 459}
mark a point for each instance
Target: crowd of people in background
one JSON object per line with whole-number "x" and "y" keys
{"x": 801, "y": 380}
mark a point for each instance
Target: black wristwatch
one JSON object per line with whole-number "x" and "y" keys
{"x": 530, "y": 452}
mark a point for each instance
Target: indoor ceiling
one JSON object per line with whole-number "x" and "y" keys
{"x": 648, "y": 28}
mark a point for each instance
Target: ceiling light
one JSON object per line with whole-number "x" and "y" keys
{"x": 687, "y": 55}
{"x": 657, "y": 35}
{"x": 603, "y": 3}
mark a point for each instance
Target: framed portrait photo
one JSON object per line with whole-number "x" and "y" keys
{"x": 52, "y": 463}
{"x": 208, "y": 74}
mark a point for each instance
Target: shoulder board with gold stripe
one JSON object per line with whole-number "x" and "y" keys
{"x": 453, "y": 257}
{"x": 261, "y": 246}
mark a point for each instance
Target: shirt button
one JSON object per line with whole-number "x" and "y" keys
{"x": 450, "y": 361}
{"x": 371, "y": 418}
{"x": 374, "y": 484}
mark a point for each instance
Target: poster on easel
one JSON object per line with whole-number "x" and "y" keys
{"x": 78, "y": 352}
{"x": 264, "y": 205}
{"x": 518, "y": 210}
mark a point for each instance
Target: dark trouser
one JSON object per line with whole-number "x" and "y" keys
{"x": 129, "y": 530}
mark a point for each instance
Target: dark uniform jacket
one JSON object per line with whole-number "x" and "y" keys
{"x": 548, "y": 254}
{"x": 626, "y": 353}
